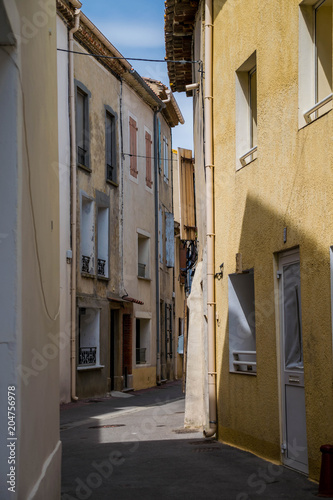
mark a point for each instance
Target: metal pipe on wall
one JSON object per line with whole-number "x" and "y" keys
{"x": 73, "y": 198}
{"x": 209, "y": 169}
{"x": 157, "y": 267}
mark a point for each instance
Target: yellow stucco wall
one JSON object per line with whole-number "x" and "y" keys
{"x": 288, "y": 185}
{"x": 144, "y": 377}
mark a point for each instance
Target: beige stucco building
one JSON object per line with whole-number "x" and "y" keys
{"x": 271, "y": 155}
{"x": 113, "y": 179}
{"x": 30, "y": 454}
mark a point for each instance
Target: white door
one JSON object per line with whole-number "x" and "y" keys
{"x": 294, "y": 445}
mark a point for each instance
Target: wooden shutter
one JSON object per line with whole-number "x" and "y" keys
{"x": 133, "y": 147}
{"x": 80, "y": 128}
{"x": 187, "y": 196}
{"x": 149, "y": 181}
{"x": 169, "y": 240}
{"x": 182, "y": 263}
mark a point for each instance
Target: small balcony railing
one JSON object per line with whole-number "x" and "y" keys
{"x": 141, "y": 270}
{"x": 101, "y": 267}
{"x": 85, "y": 264}
{"x": 141, "y": 355}
{"x": 110, "y": 171}
{"x": 81, "y": 155}
{"x": 87, "y": 355}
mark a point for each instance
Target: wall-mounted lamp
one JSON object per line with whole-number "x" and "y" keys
{"x": 219, "y": 275}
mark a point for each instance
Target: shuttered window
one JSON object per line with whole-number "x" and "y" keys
{"x": 82, "y": 128}
{"x": 110, "y": 147}
{"x": 133, "y": 147}
{"x": 166, "y": 159}
{"x": 169, "y": 240}
{"x": 149, "y": 180}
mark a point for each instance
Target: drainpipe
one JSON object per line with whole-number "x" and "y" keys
{"x": 73, "y": 198}
{"x": 209, "y": 169}
{"x": 157, "y": 265}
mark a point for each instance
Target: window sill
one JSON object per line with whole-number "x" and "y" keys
{"x": 84, "y": 168}
{"x": 144, "y": 279}
{"x": 112, "y": 183}
{"x": 87, "y": 275}
{"x": 90, "y": 367}
{"x": 102, "y": 278}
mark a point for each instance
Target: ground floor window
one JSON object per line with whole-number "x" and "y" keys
{"x": 142, "y": 340}
{"x": 242, "y": 324}
{"x": 89, "y": 336}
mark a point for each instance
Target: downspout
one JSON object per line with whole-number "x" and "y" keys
{"x": 157, "y": 266}
{"x": 209, "y": 169}
{"x": 73, "y": 198}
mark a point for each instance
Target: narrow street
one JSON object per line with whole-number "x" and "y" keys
{"x": 134, "y": 446}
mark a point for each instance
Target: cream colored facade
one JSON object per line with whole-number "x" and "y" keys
{"x": 121, "y": 133}
{"x": 272, "y": 217}
{"x": 29, "y": 241}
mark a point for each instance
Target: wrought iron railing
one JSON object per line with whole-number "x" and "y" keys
{"x": 87, "y": 355}
{"x": 101, "y": 267}
{"x": 81, "y": 155}
{"x": 110, "y": 170}
{"x": 85, "y": 264}
{"x": 141, "y": 270}
{"x": 141, "y": 355}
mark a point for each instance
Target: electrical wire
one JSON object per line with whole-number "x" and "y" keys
{"x": 52, "y": 318}
{"x": 150, "y": 157}
{"x": 182, "y": 61}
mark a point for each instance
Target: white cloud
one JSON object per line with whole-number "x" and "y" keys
{"x": 133, "y": 34}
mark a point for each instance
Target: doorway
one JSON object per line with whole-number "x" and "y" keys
{"x": 294, "y": 442}
{"x": 113, "y": 346}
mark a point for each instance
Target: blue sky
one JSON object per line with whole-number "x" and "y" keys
{"x": 136, "y": 29}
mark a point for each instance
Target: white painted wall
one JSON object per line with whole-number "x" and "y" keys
{"x": 29, "y": 248}
{"x": 9, "y": 236}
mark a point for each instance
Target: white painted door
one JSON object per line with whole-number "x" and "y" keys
{"x": 294, "y": 445}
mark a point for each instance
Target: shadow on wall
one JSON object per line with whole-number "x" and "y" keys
{"x": 249, "y": 416}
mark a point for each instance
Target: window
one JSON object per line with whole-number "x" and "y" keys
{"x": 246, "y": 112}
{"x": 165, "y": 159}
{"x": 103, "y": 242}
{"x": 133, "y": 132}
{"x": 143, "y": 255}
{"x": 315, "y": 59}
{"x": 169, "y": 240}
{"x": 82, "y": 126}
{"x": 253, "y": 106}
{"x": 87, "y": 235}
{"x": 159, "y": 146}
{"x": 160, "y": 234}
{"x": 323, "y": 45}
{"x": 242, "y": 326}
{"x": 89, "y": 334}
{"x": 142, "y": 340}
{"x": 110, "y": 147}
{"x": 148, "y": 142}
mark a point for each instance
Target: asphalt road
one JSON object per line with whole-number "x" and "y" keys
{"x": 136, "y": 447}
